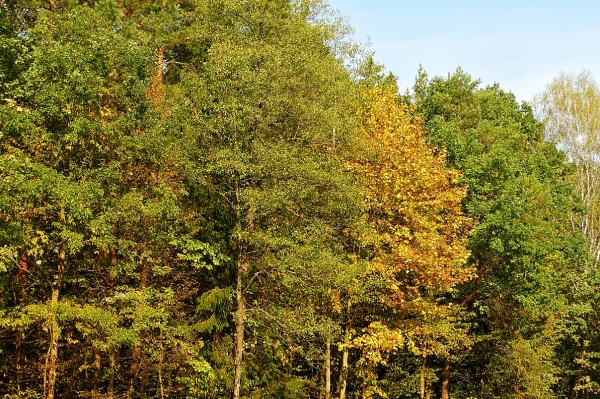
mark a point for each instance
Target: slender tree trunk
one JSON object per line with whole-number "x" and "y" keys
{"x": 429, "y": 384}
{"x": 240, "y": 317}
{"x": 328, "y": 367}
{"x": 579, "y": 373}
{"x": 52, "y": 361}
{"x": 246, "y": 223}
{"x": 343, "y": 379}
{"x": 160, "y": 60}
{"x": 157, "y": 91}
{"x": 134, "y": 369}
{"x": 111, "y": 278}
{"x": 23, "y": 270}
{"x": 446, "y": 379}
{"x": 97, "y": 369}
{"x": 112, "y": 352}
{"x": 19, "y": 338}
{"x": 243, "y": 265}
{"x": 19, "y": 335}
{"x": 481, "y": 386}
{"x": 161, "y": 388}
{"x": 423, "y": 368}
{"x": 112, "y": 363}
{"x": 160, "y": 380}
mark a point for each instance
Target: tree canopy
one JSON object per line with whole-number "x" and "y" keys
{"x": 225, "y": 199}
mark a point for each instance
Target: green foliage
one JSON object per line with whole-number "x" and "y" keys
{"x": 175, "y": 175}
{"x": 521, "y": 371}
{"x": 526, "y": 253}
{"x": 27, "y": 394}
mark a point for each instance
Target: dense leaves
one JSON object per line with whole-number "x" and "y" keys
{"x": 526, "y": 254}
{"x": 215, "y": 198}
{"x": 417, "y": 233}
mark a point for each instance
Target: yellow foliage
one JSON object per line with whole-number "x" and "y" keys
{"x": 414, "y": 202}
{"x": 417, "y": 234}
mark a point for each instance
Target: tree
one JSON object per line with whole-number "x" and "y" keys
{"x": 88, "y": 244}
{"x": 263, "y": 111}
{"x": 416, "y": 236}
{"x": 570, "y": 111}
{"x": 163, "y": 163}
{"x": 569, "y": 107}
{"x": 522, "y": 246}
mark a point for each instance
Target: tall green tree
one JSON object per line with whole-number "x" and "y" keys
{"x": 522, "y": 246}
{"x": 90, "y": 207}
{"x": 267, "y": 124}
{"x": 569, "y": 107}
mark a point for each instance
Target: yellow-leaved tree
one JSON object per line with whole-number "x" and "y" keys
{"x": 416, "y": 237}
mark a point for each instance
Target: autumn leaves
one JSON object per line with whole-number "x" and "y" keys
{"x": 417, "y": 234}
{"x": 216, "y": 198}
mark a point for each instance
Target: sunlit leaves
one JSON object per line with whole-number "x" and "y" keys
{"x": 417, "y": 235}
{"x": 414, "y": 202}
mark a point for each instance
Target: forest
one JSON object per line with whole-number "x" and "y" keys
{"x": 233, "y": 199}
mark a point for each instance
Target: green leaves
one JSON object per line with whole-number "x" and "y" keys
{"x": 522, "y": 244}
{"x": 199, "y": 254}
{"x": 204, "y": 197}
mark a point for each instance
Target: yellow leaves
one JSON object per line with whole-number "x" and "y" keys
{"x": 336, "y": 302}
{"x": 13, "y": 104}
{"x": 36, "y": 244}
{"x": 414, "y": 201}
{"x": 106, "y": 113}
{"x": 42, "y": 237}
{"x": 377, "y": 341}
{"x": 417, "y": 235}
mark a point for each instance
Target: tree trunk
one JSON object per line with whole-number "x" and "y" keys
{"x": 112, "y": 352}
{"x": 157, "y": 90}
{"x": 19, "y": 335}
{"x": 481, "y": 386}
{"x": 134, "y": 368}
{"x": 240, "y": 317}
{"x": 97, "y": 369}
{"x": 160, "y": 389}
{"x": 580, "y": 372}
{"x": 160, "y": 379}
{"x": 52, "y": 357}
{"x": 112, "y": 363}
{"x": 429, "y": 384}
{"x": 328, "y": 367}
{"x": 19, "y": 338}
{"x": 23, "y": 270}
{"x": 423, "y": 368}
{"x": 343, "y": 379}
{"x": 446, "y": 379}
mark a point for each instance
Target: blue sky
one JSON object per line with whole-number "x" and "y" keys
{"x": 520, "y": 44}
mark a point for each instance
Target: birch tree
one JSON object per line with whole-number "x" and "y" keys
{"x": 570, "y": 110}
